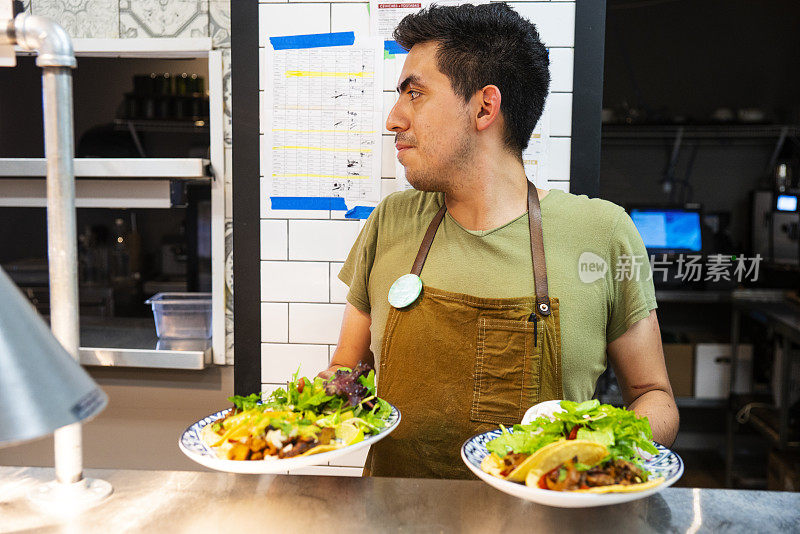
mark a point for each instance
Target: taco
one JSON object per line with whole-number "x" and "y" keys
{"x": 587, "y": 446}
{"x": 515, "y": 467}
{"x": 585, "y": 467}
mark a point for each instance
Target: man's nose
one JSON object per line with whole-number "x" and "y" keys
{"x": 396, "y": 121}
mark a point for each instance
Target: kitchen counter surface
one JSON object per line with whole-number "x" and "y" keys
{"x": 180, "y": 501}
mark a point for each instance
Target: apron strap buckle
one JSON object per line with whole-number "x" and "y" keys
{"x": 543, "y": 306}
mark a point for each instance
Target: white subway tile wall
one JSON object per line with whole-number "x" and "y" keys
{"x": 321, "y": 240}
{"x": 560, "y": 109}
{"x": 294, "y": 281}
{"x": 338, "y": 288}
{"x": 303, "y": 251}
{"x": 279, "y": 361}
{"x": 274, "y": 322}
{"x": 561, "y": 63}
{"x": 315, "y": 323}
{"x": 274, "y": 239}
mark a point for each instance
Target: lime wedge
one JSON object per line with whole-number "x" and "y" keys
{"x": 349, "y": 433}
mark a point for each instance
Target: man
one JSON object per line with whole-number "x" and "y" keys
{"x": 504, "y": 317}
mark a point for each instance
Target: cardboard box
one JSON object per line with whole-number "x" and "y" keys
{"x": 783, "y": 471}
{"x": 712, "y": 370}
{"x": 679, "y": 358}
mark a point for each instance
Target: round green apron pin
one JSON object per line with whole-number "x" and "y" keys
{"x": 405, "y": 290}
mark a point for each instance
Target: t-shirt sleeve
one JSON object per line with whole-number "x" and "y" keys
{"x": 356, "y": 269}
{"x": 632, "y": 293}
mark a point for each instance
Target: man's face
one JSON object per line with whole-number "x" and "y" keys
{"x": 433, "y": 131}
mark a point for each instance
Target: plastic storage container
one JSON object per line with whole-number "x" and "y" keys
{"x": 182, "y": 315}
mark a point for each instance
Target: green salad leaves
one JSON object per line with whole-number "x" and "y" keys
{"x": 349, "y": 391}
{"x": 620, "y": 430}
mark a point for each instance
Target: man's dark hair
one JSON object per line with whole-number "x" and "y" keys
{"x": 487, "y": 44}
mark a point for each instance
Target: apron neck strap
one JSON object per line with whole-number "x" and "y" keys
{"x": 427, "y": 241}
{"x": 537, "y": 248}
{"x": 537, "y": 251}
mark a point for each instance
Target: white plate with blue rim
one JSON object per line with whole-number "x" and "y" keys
{"x": 665, "y": 464}
{"x": 193, "y": 446}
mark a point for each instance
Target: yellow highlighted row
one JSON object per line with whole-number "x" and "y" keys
{"x": 324, "y": 131}
{"x": 307, "y": 175}
{"x": 325, "y": 149}
{"x": 323, "y": 74}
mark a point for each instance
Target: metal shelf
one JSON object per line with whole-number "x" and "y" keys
{"x": 694, "y": 402}
{"x": 712, "y": 131}
{"x": 196, "y": 47}
{"x": 173, "y": 168}
{"x": 620, "y": 135}
{"x": 121, "y": 342}
{"x": 192, "y": 355}
{"x": 163, "y": 126}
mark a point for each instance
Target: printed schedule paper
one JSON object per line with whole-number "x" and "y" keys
{"x": 324, "y": 123}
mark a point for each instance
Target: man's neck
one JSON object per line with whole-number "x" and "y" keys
{"x": 488, "y": 198}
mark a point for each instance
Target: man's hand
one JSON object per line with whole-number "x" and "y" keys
{"x": 354, "y": 339}
{"x": 329, "y": 372}
{"x": 638, "y": 361}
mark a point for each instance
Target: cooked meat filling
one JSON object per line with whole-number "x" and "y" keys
{"x": 566, "y": 477}
{"x": 511, "y": 461}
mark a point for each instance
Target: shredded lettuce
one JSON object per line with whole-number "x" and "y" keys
{"x": 620, "y": 430}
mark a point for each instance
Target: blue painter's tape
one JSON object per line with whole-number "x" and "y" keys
{"x": 359, "y": 212}
{"x": 393, "y": 48}
{"x": 308, "y": 203}
{"x": 315, "y": 40}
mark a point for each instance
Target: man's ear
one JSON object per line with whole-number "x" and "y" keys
{"x": 488, "y": 100}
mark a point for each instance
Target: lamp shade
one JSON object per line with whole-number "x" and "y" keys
{"x": 42, "y": 387}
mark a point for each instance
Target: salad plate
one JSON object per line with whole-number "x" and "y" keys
{"x": 309, "y": 422}
{"x": 192, "y": 445}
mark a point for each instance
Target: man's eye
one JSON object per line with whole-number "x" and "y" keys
{"x": 414, "y": 94}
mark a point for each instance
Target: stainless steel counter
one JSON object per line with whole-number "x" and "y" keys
{"x": 179, "y": 501}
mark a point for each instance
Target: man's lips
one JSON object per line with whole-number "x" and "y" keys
{"x": 400, "y": 148}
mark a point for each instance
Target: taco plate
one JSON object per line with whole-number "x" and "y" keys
{"x": 665, "y": 464}
{"x": 574, "y": 454}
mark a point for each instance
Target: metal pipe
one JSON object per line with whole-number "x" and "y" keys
{"x": 62, "y": 245}
{"x": 50, "y": 41}
{"x": 57, "y": 59}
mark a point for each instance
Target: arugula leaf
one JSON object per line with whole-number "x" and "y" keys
{"x": 245, "y": 403}
{"x": 313, "y": 395}
{"x": 368, "y": 381}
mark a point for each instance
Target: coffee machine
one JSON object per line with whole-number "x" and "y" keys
{"x": 785, "y": 242}
{"x": 775, "y": 223}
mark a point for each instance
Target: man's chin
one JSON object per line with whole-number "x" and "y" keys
{"x": 423, "y": 183}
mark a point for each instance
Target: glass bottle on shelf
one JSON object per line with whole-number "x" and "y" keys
{"x": 120, "y": 253}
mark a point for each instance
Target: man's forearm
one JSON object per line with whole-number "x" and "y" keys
{"x": 659, "y": 408}
{"x": 354, "y": 340}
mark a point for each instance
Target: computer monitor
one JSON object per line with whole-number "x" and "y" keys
{"x": 786, "y": 203}
{"x": 667, "y": 230}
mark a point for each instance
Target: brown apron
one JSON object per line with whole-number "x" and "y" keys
{"x": 457, "y": 365}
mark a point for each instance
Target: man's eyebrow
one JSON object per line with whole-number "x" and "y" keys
{"x": 411, "y": 78}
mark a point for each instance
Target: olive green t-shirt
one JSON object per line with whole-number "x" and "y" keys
{"x": 596, "y": 305}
